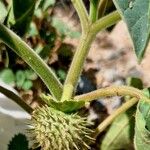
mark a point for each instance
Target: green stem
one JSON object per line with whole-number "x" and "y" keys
{"x": 106, "y": 21}
{"x": 31, "y": 58}
{"x": 16, "y": 99}
{"x": 112, "y": 91}
{"x": 102, "y": 8}
{"x": 114, "y": 115}
{"x": 78, "y": 61}
{"x": 84, "y": 46}
{"x": 94, "y": 10}
{"x": 82, "y": 13}
{"x": 67, "y": 92}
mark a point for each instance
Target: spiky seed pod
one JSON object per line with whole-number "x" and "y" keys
{"x": 55, "y": 130}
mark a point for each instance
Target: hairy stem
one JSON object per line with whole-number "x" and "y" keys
{"x": 67, "y": 92}
{"x": 82, "y": 13}
{"x": 102, "y": 7}
{"x": 83, "y": 48}
{"x": 31, "y": 58}
{"x": 78, "y": 60}
{"x": 94, "y": 10}
{"x": 114, "y": 115}
{"x": 16, "y": 99}
{"x": 106, "y": 21}
{"x": 112, "y": 91}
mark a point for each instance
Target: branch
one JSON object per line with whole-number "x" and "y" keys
{"x": 114, "y": 115}
{"x": 94, "y": 10}
{"x": 16, "y": 99}
{"x": 77, "y": 63}
{"x": 106, "y": 21}
{"x": 31, "y": 58}
{"x": 102, "y": 7}
{"x": 82, "y": 13}
{"x": 112, "y": 91}
{"x": 83, "y": 49}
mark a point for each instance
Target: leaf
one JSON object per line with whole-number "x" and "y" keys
{"x": 46, "y": 50}
{"x": 32, "y": 59}
{"x": 20, "y": 15}
{"x": 135, "y": 82}
{"x": 121, "y": 132}
{"x": 136, "y": 14}
{"x": 20, "y": 78}
{"x": 61, "y": 74}
{"x": 18, "y": 142}
{"x": 27, "y": 85}
{"x": 142, "y": 128}
{"x": 63, "y": 29}
{"x": 7, "y": 76}
{"x": 67, "y": 106}
{"x": 32, "y": 31}
{"x": 3, "y": 12}
{"x": 47, "y": 3}
{"x": 30, "y": 74}
{"x": 147, "y": 92}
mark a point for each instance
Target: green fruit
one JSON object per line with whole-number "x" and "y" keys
{"x": 55, "y": 130}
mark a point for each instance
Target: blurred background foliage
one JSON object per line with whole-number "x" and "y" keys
{"x": 36, "y": 23}
{"x": 45, "y": 26}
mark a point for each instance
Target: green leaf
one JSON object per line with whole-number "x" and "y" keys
{"x": 63, "y": 29}
{"x": 18, "y": 142}
{"x": 142, "y": 128}
{"x": 7, "y": 76}
{"x": 65, "y": 106}
{"x": 20, "y": 78}
{"x": 61, "y": 74}
{"x": 47, "y": 3}
{"x": 32, "y": 31}
{"x": 136, "y": 14}
{"x": 27, "y": 85}
{"x": 74, "y": 34}
{"x": 30, "y": 75}
{"x": 20, "y": 15}
{"x": 46, "y": 50}
{"x": 32, "y": 59}
{"x": 135, "y": 82}
{"x": 147, "y": 92}
{"x": 121, "y": 132}
{"x": 3, "y": 12}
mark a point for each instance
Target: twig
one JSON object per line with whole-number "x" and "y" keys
{"x": 16, "y": 99}
{"x": 94, "y": 10}
{"x": 114, "y": 115}
{"x": 113, "y": 91}
{"x": 83, "y": 49}
{"x": 102, "y": 7}
{"x": 82, "y": 13}
{"x": 106, "y": 21}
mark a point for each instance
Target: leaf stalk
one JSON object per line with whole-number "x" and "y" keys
{"x": 112, "y": 91}
{"x": 114, "y": 115}
{"x": 14, "y": 42}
